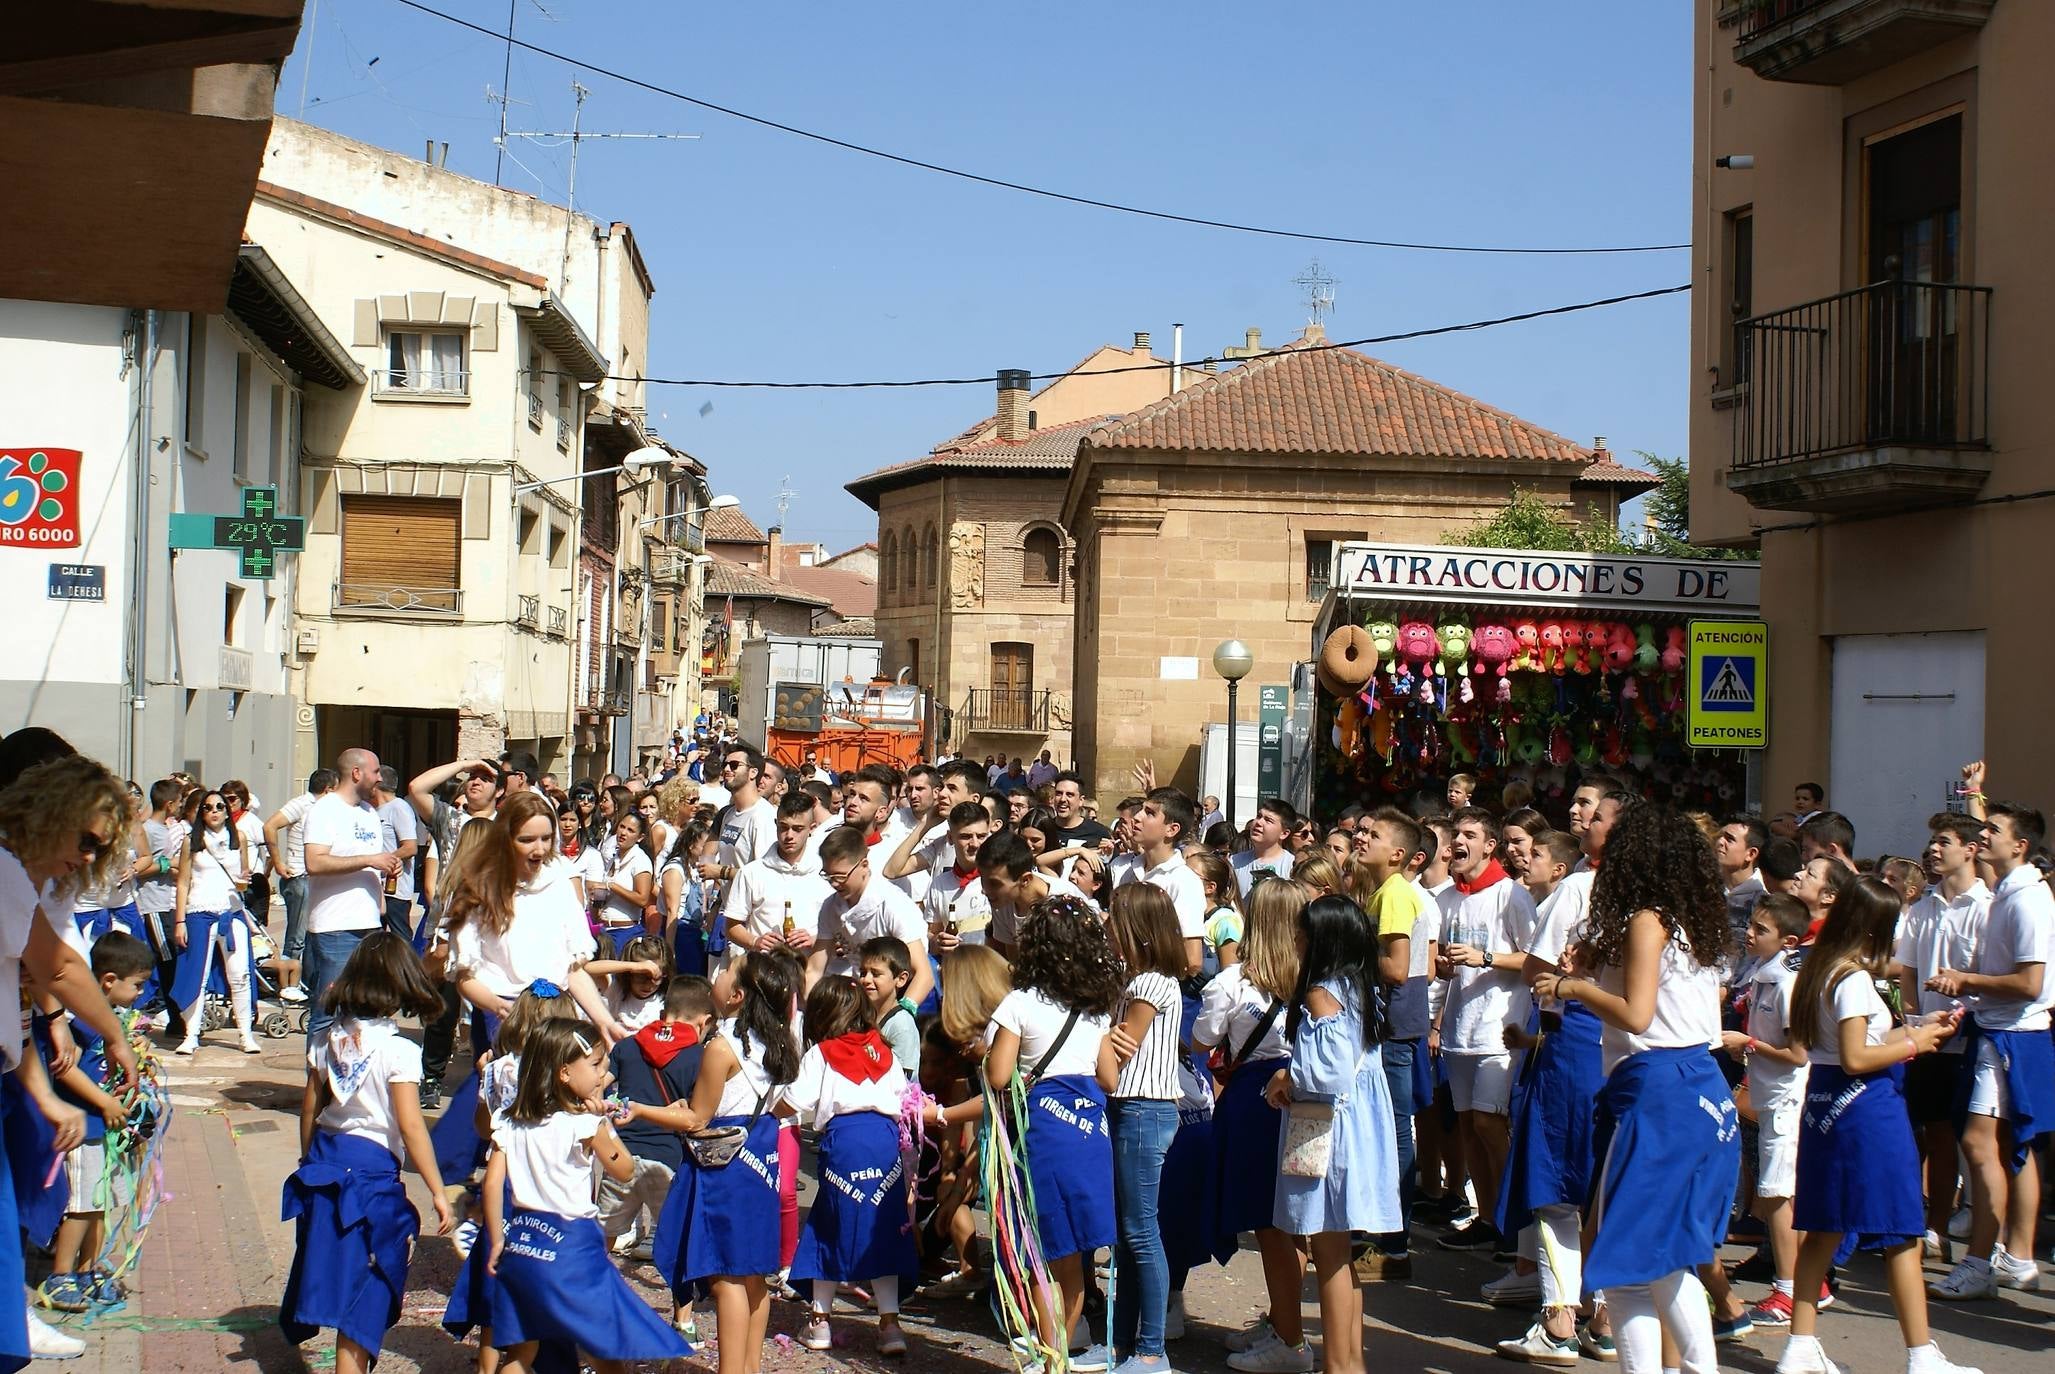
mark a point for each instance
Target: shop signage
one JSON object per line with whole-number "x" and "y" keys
{"x": 1511, "y": 577}
{"x": 1726, "y": 685}
{"x": 78, "y": 582}
{"x": 39, "y": 497}
{"x": 259, "y": 534}
{"x": 1273, "y": 700}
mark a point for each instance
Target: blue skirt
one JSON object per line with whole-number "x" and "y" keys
{"x": 1669, "y": 1145}
{"x": 1554, "y": 1110}
{"x": 557, "y": 1283}
{"x": 1070, "y": 1165}
{"x": 2027, "y": 1059}
{"x": 14, "y": 1325}
{"x": 353, "y": 1235}
{"x": 722, "y": 1223}
{"x": 1246, "y": 1132}
{"x": 1190, "y": 1235}
{"x": 38, "y": 1198}
{"x": 859, "y": 1227}
{"x": 199, "y": 968}
{"x": 1858, "y": 1164}
{"x": 688, "y": 947}
{"x": 459, "y": 1150}
{"x": 622, "y": 936}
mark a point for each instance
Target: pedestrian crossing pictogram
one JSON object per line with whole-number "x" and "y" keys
{"x": 1731, "y": 685}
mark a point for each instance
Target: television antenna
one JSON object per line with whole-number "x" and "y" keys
{"x": 1318, "y": 286}
{"x": 785, "y": 495}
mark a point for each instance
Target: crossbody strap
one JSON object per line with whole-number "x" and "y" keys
{"x": 1034, "y": 1073}
{"x": 1269, "y": 1019}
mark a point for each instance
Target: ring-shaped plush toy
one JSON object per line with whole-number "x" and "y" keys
{"x": 1349, "y": 656}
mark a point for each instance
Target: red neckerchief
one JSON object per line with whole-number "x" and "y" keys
{"x": 874, "y": 836}
{"x": 966, "y": 879}
{"x": 1491, "y": 873}
{"x": 574, "y": 848}
{"x": 1812, "y": 932}
{"x": 663, "y": 1041}
{"x": 860, "y": 1056}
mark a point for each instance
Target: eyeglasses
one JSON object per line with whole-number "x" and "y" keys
{"x": 844, "y": 876}
{"x": 215, "y": 806}
{"x": 726, "y": 764}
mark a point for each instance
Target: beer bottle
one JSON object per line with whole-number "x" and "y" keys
{"x": 788, "y": 921}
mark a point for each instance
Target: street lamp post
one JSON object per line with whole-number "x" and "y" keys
{"x": 1232, "y": 660}
{"x": 639, "y": 460}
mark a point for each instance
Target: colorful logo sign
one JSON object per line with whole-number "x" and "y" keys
{"x": 39, "y": 497}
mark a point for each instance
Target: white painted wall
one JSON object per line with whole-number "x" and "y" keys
{"x": 1908, "y": 712}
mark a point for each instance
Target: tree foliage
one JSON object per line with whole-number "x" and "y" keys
{"x": 1529, "y": 523}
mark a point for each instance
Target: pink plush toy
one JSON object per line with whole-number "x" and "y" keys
{"x": 1674, "y": 652}
{"x": 1494, "y": 648}
{"x": 1418, "y": 647}
{"x": 1527, "y": 645}
{"x": 1552, "y": 646}
{"x": 1619, "y": 647}
{"x": 1573, "y": 647}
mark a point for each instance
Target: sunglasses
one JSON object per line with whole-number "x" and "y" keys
{"x": 91, "y": 846}
{"x": 215, "y": 806}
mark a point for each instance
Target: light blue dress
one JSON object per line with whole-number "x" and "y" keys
{"x": 1330, "y": 1063}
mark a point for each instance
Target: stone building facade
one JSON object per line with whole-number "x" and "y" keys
{"x": 1215, "y": 516}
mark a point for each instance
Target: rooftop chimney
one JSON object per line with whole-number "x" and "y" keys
{"x": 775, "y": 555}
{"x": 1013, "y": 397}
{"x": 1142, "y": 342}
{"x": 1598, "y": 450}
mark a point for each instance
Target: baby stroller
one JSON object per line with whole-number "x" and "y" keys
{"x": 275, "y": 1020}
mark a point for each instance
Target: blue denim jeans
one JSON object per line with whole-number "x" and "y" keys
{"x": 327, "y": 951}
{"x": 1142, "y": 1131}
{"x": 294, "y": 890}
{"x": 1398, "y": 1074}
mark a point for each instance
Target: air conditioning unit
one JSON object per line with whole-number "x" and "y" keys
{"x": 308, "y": 644}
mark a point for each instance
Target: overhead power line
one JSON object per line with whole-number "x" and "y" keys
{"x": 1025, "y": 189}
{"x": 985, "y": 378}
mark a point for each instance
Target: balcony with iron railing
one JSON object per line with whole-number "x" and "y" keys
{"x": 529, "y": 616}
{"x": 1872, "y": 399}
{"x": 535, "y": 412}
{"x": 420, "y": 384}
{"x": 1831, "y": 42}
{"x": 386, "y": 598}
{"x": 1005, "y": 710}
{"x": 557, "y": 620}
{"x": 563, "y": 434}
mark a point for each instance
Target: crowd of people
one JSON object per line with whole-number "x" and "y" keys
{"x": 1597, "y": 1046}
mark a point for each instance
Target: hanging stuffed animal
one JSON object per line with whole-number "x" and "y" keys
{"x": 1673, "y": 649}
{"x": 1552, "y": 646}
{"x": 1493, "y": 647}
{"x": 1351, "y": 718}
{"x": 1380, "y": 732}
{"x": 1527, "y": 646}
{"x": 1384, "y": 638}
{"x": 1646, "y": 655}
{"x": 1455, "y": 650}
{"x": 1417, "y": 646}
{"x": 1619, "y": 647}
{"x": 1573, "y": 647}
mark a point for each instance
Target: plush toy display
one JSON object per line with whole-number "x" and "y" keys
{"x": 1350, "y": 656}
{"x": 1552, "y": 646}
{"x": 1418, "y": 648}
{"x": 1673, "y": 649}
{"x": 1494, "y": 648}
{"x": 1455, "y": 650}
{"x": 1619, "y": 647}
{"x": 1527, "y": 639}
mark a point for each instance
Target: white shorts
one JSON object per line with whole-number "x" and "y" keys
{"x": 1480, "y": 1082}
{"x": 1776, "y": 1150}
{"x": 94, "y": 1187}
{"x": 1989, "y": 1093}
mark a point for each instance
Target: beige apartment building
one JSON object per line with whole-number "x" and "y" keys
{"x": 1872, "y": 193}
{"x": 976, "y": 588}
{"x": 1215, "y": 515}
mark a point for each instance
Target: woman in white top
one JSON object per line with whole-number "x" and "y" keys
{"x": 1668, "y": 1136}
{"x": 210, "y": 923}
{"x": 629, "y": 881}
{"x": 1858, "y": 1165}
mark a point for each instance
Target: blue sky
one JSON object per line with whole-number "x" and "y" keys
{"x": 1470, "y": 121}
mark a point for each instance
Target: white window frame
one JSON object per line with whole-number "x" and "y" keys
{"x": 391, "y": 389}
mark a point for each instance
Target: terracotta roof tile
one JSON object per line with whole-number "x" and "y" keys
{"x": 850, "y": 593}
{"x": 855, "y": 627}
{"x": 1050, "y": 449}
{"x": 732, "y": 579}
{"x": 1606, "y": 473}
{"x": 1306, "y": 399}
{"x": 728, "y": 525}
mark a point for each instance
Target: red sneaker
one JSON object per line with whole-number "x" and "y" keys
{"x": 1774, "y": 1310}
{"x": 1826, "y": 1296}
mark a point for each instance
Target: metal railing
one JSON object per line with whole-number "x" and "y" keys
{"x": 388, "y": 598}
{"x": 534, "y": 411}
{"x": 563, "y": 434}
{"x": 530, "y": 613}
{"x": 1020, "y": 709}
{"x": 557, "y": 620}
{"x": 614, "y": 703}
{"x": 398, "y": 381}
{"x": 1892, "y": 364}
{"x": 1758, "y": 15}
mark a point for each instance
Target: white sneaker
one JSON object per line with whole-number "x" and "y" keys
{"x": 1273, "y": 1356}
{"x": 464, "y": 1237}
{"x": 1538, "y": 1347}
{"x": 250, "y": 1045}
{"x": 1512, "y": 1289}
{"x": 624, "y": 1244}
{"x": 1928, "y": 1359}
{"x": 294, "y": 994}
{"x": 46, "y": 1342}
{"x": 1250, "y": 1336}
{"x": 1968, "y": 1281}
{"x": 1173, "y": 1318}
{"x": 187, "y": 1046}
{"x": 2015, "y": 1271}
{"x": 1803, "y": 1355}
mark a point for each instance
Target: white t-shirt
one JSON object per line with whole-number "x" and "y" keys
{"x": 1855, "y": 995}
{"x": 361, "y": 1060}
{"x": 749, "y": 834}
{"x": 751, "y": 1077}
{"x": 1482, "y": 1002}
{"x": 295, "y": 832}
{"x": 1005, "y": 927}
{"x": 2019, "y": 929}
{"x": 1938, "y": 933}
{"x": 632, "y": 1013}
{"x": 18, "y": 900}
{"x": 1248, "y": 868}
{"x": 549, "y": 1162}
{"x": 251, "y": 829}
{"x": 1230, "y": 1010}
{"x": 1174, "y": 876}
{"x": 1038, "y": 1021}
{"x": 819, "y": 1094}
{"x": 1772, "y": 1083}
{"x": 951, "y": 894}
{"x": 1152, "y": 1073}
{"x": 344, "y": 901}
{"x": 626, "y": 868}
{"x": 400, "y": 823}
{"x": 757, "y": 897}
{"x": 215, "y": 864}
{"x": 1687, "y": 1006}
{"x": 1559, "y": 923}
{"x": 882, "y": 910}
{"x": 546, "y": 937}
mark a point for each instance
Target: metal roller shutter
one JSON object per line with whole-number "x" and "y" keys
{"x": 401, "y": 551}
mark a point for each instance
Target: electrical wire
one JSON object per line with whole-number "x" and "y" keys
{"x": 985, "y": 379}
{"x": 1002, "y": 184}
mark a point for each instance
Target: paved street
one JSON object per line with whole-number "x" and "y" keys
{"x": 213, "y": 1267}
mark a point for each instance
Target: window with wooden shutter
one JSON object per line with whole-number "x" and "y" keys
{"x": 400, "y": 553}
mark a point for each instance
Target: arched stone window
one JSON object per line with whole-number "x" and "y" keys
{"x": 1041, "y": 558}
{"x": 888, "y": 565}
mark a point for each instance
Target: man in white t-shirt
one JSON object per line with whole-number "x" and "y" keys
{"x": 956, "y": 909}
{"x": 864, "y": 905}
{"x": 749, "y": 830}
{"x": 786, "y": 879}
{"x": 1164, "y": 823}
{"x": 1487, "y": 919}
{"x": 285, "y": 836}
{"x": 347, "y": 865}
{"x": 402, "y": 830}
{"x": 2012, "y": 1079}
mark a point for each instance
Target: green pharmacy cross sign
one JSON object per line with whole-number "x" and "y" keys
{"x": 259, "y": 534}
